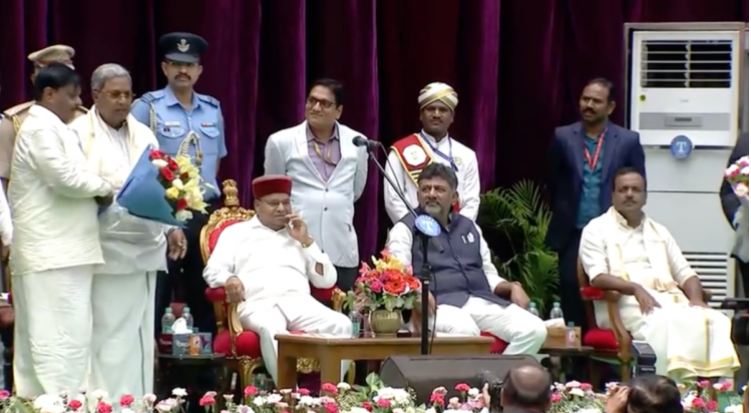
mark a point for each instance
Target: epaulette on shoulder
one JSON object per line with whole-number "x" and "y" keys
{"x": 15, "y": 110}
{"x": 208, "y": 99}
{"x": 150, "y": 97}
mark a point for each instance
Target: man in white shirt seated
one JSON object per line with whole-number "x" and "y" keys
{"x": 267, "y": 265}
{"x": 470, "y": 294}
{"x": 625, "y": 251}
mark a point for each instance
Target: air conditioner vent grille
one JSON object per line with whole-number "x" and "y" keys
{"x": 691, "y": 64}
{"x": 712, "y": 269}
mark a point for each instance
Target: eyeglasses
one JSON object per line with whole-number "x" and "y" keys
{"x": 325, "y": 104}
{"x": 180, "y": 65}
{"x": 275, "y": 204}
{"x": 117, "y": 95}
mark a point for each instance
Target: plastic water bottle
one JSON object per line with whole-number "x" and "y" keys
{"x": 533, "y": 309}
{"x": 188, "y": 318}
{"x": 356, "y": 319}
{"x": 556, "y": 312}
{"x": 168, "y": 319}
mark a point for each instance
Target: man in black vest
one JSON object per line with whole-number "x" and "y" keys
{"x": 470, "y": 295}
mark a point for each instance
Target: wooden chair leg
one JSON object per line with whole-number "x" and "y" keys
{"x": 625, "y": 371}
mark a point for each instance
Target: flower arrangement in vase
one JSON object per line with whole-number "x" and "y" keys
{"x": 383, "y": 291}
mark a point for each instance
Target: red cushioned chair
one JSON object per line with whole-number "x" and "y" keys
{"x": 242, "y": 347}
{"x": 611, "y": 345}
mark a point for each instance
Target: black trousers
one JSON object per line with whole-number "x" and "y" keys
{"x": 743, "y": 270}
{"x": 188, "y": 274}
{"x": 571, "y": 301}
{"x": 346, "y": 276}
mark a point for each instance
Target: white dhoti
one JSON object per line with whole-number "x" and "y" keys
{"x": 689, "y": 342}
{"x": 52, "y": 335}
{"x": 122, "y": 360}
{"x": 524, "y": 333}
{"x": 293, "y": 312}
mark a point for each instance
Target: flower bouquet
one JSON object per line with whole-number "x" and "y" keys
{"x": 383, "y": 291}
{"x": 737, "y": 176}
{"x": 163, "y": 189}
{"x": 705, "y": 397}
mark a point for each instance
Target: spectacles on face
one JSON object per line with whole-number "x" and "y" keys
{"x": 182, "y": 65}
{"x": 274, "y": 204}
{"x": 117, "y": 95}
{"x": 325, "y": 103}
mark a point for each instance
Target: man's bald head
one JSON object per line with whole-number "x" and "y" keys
{"x": 527, "y": 386}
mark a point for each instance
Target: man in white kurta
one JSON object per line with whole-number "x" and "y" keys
{"x": 470, "y": 295}
{"x": 662, "y": 298}
{"x": 55, "y": 241}
{"x": 411, "y": 154}
{"x": 267, "y": 265}
{"x": 123, "y": 298}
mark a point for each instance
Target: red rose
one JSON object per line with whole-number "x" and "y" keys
{"x": 383, "y": 403}
{"x": 103, "y": 407}
{"x": 250, "y": 391}
{"x": 156, "y": 154}
{"x": 331, "y": 408}
{"x": 437, "y": 399}
{"x": 462, "y": 387}
{"x": 330, "y": 388}
{"x": 712, "y": 405}
{"x": 167, "y": 175}
{"x": 181, "y": 204}
{"x": 206, "y": 401}
{"x": 172, "y": 165}
{"x": 303, "y": 392}
{"x": 126, "y": 400}
{"x": 75, "y": 404}
{"x": 367, "y": 406}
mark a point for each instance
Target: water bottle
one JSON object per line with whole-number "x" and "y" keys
{"x": 188, "y": 318}
{"x": 168, "y": 319}
{"x": 533, "y": 309}
{"x": 570, "y": 335}
{"x": 355, "y": 318}
{"x": 556, "y": 312}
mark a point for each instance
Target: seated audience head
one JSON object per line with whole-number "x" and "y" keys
{"x": 629, "y": 193}
{"x": 112, "y": 93}
{"x": 527, "y": 387}
{"x": 653, "y": 394}
{"x": 436, "y": 191}
{"x": 597, "y": 101}
{"x": 58, "y": 88}
{"x": 324, "y": 104}
{"x": 437, "y": 105}
{"x": 272, "y": 204}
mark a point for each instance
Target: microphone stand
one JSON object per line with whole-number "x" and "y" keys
{"x": 425, "y": 270}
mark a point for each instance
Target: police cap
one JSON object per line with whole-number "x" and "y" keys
{"x": 183, "y": 47}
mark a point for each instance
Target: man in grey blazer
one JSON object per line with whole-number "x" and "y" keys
{"x": 328, "y": 174}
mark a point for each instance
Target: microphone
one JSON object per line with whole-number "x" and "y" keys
{"x": 367, "y": 143}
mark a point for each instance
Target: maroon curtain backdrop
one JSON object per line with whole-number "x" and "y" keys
{"x": 518, "y": 68}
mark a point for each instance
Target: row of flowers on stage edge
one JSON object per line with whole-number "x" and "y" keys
{"x": 374, "y": 397}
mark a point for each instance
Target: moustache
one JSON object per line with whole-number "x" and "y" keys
{"x": 179, "y": 77}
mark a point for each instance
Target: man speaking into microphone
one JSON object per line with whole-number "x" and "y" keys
{"x": 328, "y": 173}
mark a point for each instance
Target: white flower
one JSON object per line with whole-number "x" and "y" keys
{"x": 126, "y": 410}
{"x": 397, "y": 396}
{"x": 736, "y": 408}
{"x": 573, "y": 385}
{"x": 99, "y": 394}
{"x": 168, "y": 405}
{"x": 360, "y": 410}
{"x": 259, "y": 401}
{"x": 159, "y": 163}
{"x": 179, "y": 392}
{"x": 149, "y": 398}
{"x": 274, "y": 398}
{"x": 576, "y": 392}
{"x": 178, "y": 184}
{"x": 183, "y": 215}
{"x": 52, "y": 408}
{"x": 47, "y": 400}
{"x": 244, "y": 409}
{"x": 397, "y": 410}
{"x": 431, "y": 410}
{"x": 343, "y": 386}
{"x": 473, "y": 392}
{"x": 308, "y": 401}
{"x": 64, "y": 394}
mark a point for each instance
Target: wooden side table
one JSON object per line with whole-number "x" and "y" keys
{"x": 187, "y": 372}
{"x": 567, "y": 355}
{"x": 331, "y": 351}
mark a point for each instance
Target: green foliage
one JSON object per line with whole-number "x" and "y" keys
{"x": 514, "y": 222}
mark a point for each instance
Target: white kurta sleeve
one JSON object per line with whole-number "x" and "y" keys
{"x": 58, "y": 171}
{"x": 274, "y": 163}
{"x": 221, "y": 264}
{"x": 6, "y": 225}
{"x": 394, "y": 205}
{"x": 593, "y": 252}
{"x": 361, "y": 174}
{"x": 399, "y": 243}
{"x": 315, "y": 256}
{"x": 470, "y": 205}
{"x": 491, "y": 272}
{"x": 679, "y": 267}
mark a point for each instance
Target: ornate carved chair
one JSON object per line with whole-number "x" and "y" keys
{"x": 241, "y": 347}
{"x": 611, "y": 345}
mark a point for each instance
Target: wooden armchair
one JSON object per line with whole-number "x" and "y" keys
{"x": 241, "y": 347}
{"x": 611, "y": 345}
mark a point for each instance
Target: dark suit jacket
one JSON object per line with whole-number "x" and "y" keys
{"x": 730, "y": 201}
{"x": 621, "y": 148}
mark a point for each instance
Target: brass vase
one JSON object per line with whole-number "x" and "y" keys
{"x": 385, "y": 323}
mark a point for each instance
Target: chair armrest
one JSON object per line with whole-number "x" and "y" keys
{"x": 333, "y": 295}
{"x": 611, "y": 298}
{"x": 216, "y": 295}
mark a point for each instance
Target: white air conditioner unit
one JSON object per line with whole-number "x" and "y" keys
{"x": 686, "y": 95}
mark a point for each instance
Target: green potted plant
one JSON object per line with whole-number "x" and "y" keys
{"x": 514, "y": 222}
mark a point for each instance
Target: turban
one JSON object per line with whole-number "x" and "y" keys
{"x": 271, "y": 184}
{"x": 438, "y": 92}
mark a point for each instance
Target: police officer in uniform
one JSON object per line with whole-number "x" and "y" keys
{"x": 14, "y": 117}
{"x": 186, "y": 122}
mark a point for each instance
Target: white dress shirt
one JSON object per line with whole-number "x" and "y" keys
{"x": 271, "y": 264}
{"x": 6, "y": 224}
{"x": 468, "y": 177}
